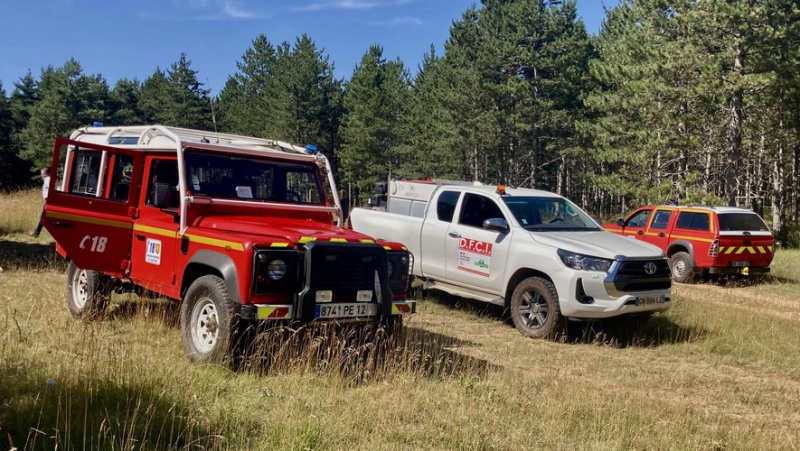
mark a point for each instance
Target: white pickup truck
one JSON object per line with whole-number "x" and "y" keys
{"x": 532, "y": 251}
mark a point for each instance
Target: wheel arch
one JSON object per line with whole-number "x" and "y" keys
{"x": 680, "y": 246}
{"x": 518, "y": 276}
{"x": 206, "y": 262}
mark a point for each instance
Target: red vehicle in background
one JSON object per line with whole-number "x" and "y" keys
{"x": 703, "y": 240}
{"x": 240, "y": 230}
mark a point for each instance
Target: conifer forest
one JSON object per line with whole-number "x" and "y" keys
{"x": 695, "y": 101}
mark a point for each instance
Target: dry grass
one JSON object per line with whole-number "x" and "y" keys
{"x": 719, "y": 371}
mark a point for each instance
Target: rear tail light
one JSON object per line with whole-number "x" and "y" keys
{"x": 713, "y": 251}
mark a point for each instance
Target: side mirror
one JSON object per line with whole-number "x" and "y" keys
{"x": 620, "y": 223}
{"x": 496, "y": 224}
{"x": 161, "y": 193}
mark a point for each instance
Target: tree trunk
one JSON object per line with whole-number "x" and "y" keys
{"x": 734, "y": 131}
{"x": 777, "y": 193}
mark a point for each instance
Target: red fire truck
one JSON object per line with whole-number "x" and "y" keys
{"x": 702, "y": 240}
{"x": 238, "y": 229}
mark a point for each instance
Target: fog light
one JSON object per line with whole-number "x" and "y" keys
{"x": 324, "y": 296}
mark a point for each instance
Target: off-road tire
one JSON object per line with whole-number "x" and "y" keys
{"x": 88, "y": 292}
{"x": 535, "y": 310}
{"x": 210, "y": 322}
{"x": 682, "y": 268}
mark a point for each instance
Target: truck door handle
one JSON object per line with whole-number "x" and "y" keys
{"x": 139, "y": 236}
{"x": 63, "y": 224}
{"x": 454, "y": 234}
{"x": 640, "y": 233}
{"x": 661, "y": 235}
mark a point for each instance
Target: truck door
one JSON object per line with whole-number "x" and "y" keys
{"x": 155, "y": 233}
{"x": 434, "y": 233}
{"x": 90, "y": 205}
{"x": 476, "y": 257}
{"x": 634, "y": 226}
{"x": 658, "y": 228}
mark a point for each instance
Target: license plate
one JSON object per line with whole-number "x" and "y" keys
{"x": 740, "y": 264}
{"x": 649, "y": 300}
{"x": 346, "y": 310}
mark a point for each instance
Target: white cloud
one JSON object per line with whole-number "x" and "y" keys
{"x": 349, "y": 4}
{"x": 213, "y": 10}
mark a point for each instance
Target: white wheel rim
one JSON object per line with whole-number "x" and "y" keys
{"x": 679, "y": 268}
{"x": 80, "y": 284}
{"x": 205, "y": 325}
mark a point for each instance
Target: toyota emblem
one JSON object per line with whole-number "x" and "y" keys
{"x": 650, "y": 268}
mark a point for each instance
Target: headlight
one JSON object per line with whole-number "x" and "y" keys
{"x": 276, "y": 269}
{"x": 584, "y": 262}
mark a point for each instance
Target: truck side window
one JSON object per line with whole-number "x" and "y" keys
{"x": 477, "y": 209}
{"x": 688, "y": 220}
{"x": 639, "y": 219}
{"x": 446, "y": 205}
{"x": 164, "y": 171}
{"x": 661, "y": 219}
{"x": 121, "y": 178}
{"x": 85, "y": 171}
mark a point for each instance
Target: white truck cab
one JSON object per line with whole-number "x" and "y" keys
{"x": 531, "y": 251}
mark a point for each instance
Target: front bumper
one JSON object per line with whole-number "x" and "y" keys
{"x": 287, "y": 312}
{"x": 597, "y": 295}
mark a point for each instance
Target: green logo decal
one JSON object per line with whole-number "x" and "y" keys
{"x": 481, "y": 264}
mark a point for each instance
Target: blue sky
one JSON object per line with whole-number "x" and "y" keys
{"x": 131, "y": 38}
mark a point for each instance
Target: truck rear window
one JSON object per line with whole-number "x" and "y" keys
{"x": 746, "y": 222}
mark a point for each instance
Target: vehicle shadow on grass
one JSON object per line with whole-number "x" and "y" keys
{"x": 162, "y": 309}
{"x": 621, "y": 332}
{"x": 40, "y": 411}
{"x": 29, "y": 255}
{"x": 360, "y": 353}
{"x": 739, "y": 281}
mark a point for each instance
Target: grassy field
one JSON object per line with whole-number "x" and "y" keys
{"x": 721, "y": 370}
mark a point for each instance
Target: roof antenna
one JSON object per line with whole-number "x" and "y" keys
{"x": 213, "y": 116}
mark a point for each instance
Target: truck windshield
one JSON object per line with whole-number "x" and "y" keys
{"x": 741, "y": 222}
{"x": 247, "y": 178}
{"x": 543, "y": 214}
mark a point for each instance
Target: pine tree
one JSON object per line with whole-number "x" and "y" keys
{"x": 374, "y": 102}
{"x": 124, "y": 105}
{"x": 190, "y": 106}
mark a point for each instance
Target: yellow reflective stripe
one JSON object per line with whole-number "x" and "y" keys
{"x": 279, "y": 245}
{"x": 751, "y": 250}
{"x": 693, "y": 238}
{"x": 215, "y": 242}
{"x": 741, "y": 249}
{"x": 730, "y": 249}
{"x": 395, "y": 310}
{"x": 762, "y": 250}
{"x": 651, "y": 234}
{"x": 387, "y": 248}
{"x": 404, "y": 248}
{"x": 306, "y": 239}
{"x": 367, "y": 241}
{"x": 338, "y": 240}
{"x": 770, "y": 248}
{"x": 264, "y": 312}
{"x": 155, "y": 230}
{"x": 88, "y": 220}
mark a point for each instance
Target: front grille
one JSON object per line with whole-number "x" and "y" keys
{"x": 633, "y": 277}
{"x": 344, "y": 269}
{"x": 637, "y": 268}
